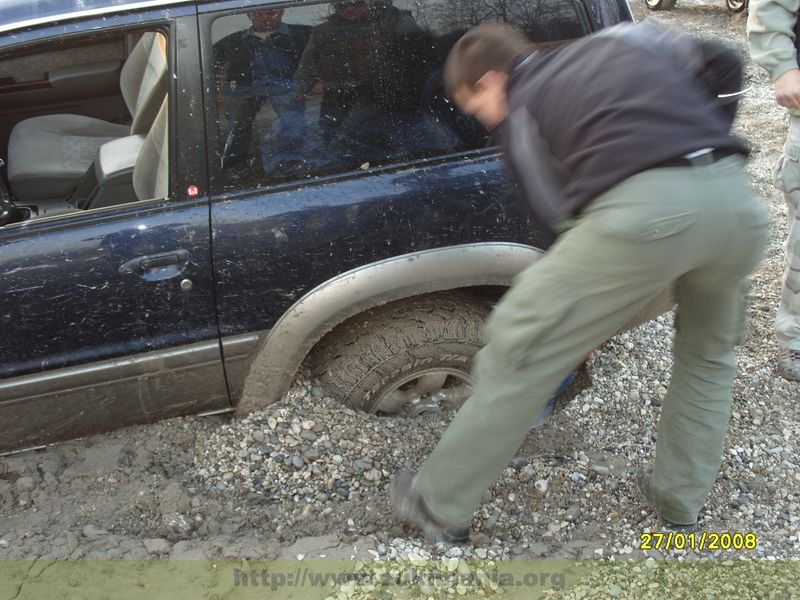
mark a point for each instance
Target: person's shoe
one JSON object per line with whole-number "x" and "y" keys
{"x": 789, "y": 363}
{"x": 643, "y": 486}
{"x": 411, "y": 506}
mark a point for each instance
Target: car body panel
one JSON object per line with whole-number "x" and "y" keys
{"x": 273, "y": 247}
{"x": 236, "y": 286}
{"x": 69, "y": 300}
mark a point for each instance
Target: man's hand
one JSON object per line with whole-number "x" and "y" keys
{"x": 787, "y": 89}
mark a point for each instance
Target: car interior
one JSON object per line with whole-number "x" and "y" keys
{"x": 85, "y": 127}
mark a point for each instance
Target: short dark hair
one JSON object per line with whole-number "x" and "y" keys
{"x": 489, "y": 47}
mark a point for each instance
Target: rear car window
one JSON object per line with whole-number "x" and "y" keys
{"x": 345, "y": 86}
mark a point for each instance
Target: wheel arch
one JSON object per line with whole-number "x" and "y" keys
{"x": 481, "y": 265}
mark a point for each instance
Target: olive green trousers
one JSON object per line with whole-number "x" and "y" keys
{"x": 696, "y": 228}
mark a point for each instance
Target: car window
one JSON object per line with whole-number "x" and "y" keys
{"x": 88, "y": 131}
{"x": 345, "y": 86}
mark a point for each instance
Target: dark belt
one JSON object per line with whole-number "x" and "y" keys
{"x": 707, "y": 158}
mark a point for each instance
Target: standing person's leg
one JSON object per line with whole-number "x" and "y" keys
{"x": 631, "y": 243}
{"x": 710, "y": 322}
{"x": 282, "y": 144}
{"x": 241, "y": 107}
{"x": 787, "y": 322}
{"x": 696, "y": 409}
{"x": 655, "y": 228}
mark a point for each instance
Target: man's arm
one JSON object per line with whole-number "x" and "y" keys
{"x": 771, "y": 36}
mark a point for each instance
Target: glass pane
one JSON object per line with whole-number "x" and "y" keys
{"x": 336, "y": 87}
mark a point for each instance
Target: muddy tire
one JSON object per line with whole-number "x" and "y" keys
{"x": 419, "y": 349}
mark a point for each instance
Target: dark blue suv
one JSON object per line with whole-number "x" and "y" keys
{"x": 202, "y": 196}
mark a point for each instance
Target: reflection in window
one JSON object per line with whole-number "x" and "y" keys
{"x": 330, "y": 88}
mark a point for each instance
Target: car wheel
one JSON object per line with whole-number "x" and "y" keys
{"x": 406, "y": 358}
{"x": 660, "y": 4}
{"x": 736, "y": 5}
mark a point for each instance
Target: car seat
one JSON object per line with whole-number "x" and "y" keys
{"x": 49, "y": 155}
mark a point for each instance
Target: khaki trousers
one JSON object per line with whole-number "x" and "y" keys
{"x": 787, "y": 179}
{"x": 697, "y": 228}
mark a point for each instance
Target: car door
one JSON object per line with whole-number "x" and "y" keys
{"x": 333, "y": 146}
{"x": 108, "y": 315}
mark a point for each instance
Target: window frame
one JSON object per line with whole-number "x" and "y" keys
{"x": 186, "y": 169}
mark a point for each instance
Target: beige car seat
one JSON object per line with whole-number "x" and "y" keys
{"x": 49, "y": 155}
{"x": 151, "y": 172}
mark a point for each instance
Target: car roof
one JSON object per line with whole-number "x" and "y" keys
{"x": 19, "y": 14}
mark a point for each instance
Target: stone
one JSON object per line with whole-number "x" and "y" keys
{"x": 185, "y": 551}
{"x": 156, "y": 545}
{"x": 526, "y": 474}
{"x": 373, "y": 475}
{"x": 174, "y": 500}
{"x": 90, "y": 532}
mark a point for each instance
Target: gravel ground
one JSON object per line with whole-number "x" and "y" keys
{"x": 308, "y": 479}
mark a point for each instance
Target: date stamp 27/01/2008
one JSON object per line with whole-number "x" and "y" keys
{"x": 706, "y": 540}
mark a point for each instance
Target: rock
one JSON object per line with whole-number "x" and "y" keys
{"x": 24, "y": 484}
{"x": 298, "y": 462}
{"x": 24, "y": 487}
{"x": 541, "y": 485}
{"x": 90, "y": 532}
{"x": 527, "y": 473}
{"x": 373, "y": 475}
{"x": 156, "y": 545}
{"x": 174, "y": 500}
{"x": 184, "y": 550}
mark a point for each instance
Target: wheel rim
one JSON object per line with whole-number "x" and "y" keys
{"x": 425, "y": 392}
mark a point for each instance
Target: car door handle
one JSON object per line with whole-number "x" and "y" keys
{"x": 156, "y": 267}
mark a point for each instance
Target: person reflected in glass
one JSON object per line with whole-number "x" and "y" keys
{"x": 257, "y": 66}
{"x": 363, "y": 60}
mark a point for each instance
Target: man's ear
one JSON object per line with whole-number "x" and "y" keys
{"x": 492, "y": 79}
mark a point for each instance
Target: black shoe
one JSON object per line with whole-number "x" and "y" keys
{"x": 410, "y": 505}
{"x": 643, "y": 486}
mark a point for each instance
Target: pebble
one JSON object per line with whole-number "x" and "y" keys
{"x": 526, "y": 474}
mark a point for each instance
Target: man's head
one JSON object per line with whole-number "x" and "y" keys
{"x": 476, "y": 71}
{"x": 266, "y": 21}
{"x": 351, "y": 10}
